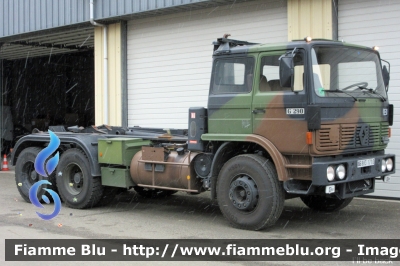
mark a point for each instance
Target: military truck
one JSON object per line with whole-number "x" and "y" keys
{"x": 308, "y": 118}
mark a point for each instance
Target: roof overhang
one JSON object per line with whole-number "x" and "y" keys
{"x": 47, "y": 43}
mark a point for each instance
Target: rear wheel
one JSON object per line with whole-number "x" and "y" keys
{"x": 26, "y": 175}
{"x": 320, "y": 203}
{"x": 249, "y": 193}
{"x": 75, "y": 184}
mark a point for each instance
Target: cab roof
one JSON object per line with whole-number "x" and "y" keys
{"x": 224, "y": 46}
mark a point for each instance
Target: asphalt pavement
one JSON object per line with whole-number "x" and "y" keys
{"x": 183, "y": 216}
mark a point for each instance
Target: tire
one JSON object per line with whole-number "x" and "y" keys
{"x": 26, "y": 176}
{"x": 249, "y": 193}
{"x": 320, "y": 203}
{"x": 154, "y": 193}
{"x": 76, "y": 186}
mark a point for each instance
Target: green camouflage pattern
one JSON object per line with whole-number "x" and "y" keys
{"x": 239, "y": 116}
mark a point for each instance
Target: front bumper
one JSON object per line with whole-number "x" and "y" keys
{"x": 358, "y": 180}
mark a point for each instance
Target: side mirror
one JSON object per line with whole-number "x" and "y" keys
{"x": 286, "y": 70}
{"x": 386, "y": 76}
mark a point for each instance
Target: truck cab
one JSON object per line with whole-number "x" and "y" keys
{"x": 317, "y": 109}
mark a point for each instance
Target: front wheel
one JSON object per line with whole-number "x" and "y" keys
{"x": 249, "y": 193}
{"x": 75, "y": 184}
{"x": 325, "y": 204}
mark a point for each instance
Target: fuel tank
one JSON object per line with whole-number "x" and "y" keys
{"x": 152, "y": 167}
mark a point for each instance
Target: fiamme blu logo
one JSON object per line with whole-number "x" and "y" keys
{"x": 44, "y": 166}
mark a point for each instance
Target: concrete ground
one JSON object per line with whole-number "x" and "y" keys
{"x": 183, "y": 216}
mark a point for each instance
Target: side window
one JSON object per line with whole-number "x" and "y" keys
{"x": 269, "y": 78}
{"x": 232, "y": 75}
{"x": 272, "y": 72}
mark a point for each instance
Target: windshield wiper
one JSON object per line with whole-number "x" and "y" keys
{"x": 355, "y": 99}
{"x": 369, "y": 91}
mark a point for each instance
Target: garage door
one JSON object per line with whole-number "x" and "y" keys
{"x": 169, "y": 57}
{"x": 376, "y": 23}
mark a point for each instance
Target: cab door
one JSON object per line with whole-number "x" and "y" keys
{"x": 230, "y": 99}
{"x": 279, "y": 113}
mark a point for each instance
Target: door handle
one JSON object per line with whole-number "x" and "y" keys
{"x": 258, "y": 111}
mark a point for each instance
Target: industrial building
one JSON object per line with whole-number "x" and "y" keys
{"x": 145, "y": 62}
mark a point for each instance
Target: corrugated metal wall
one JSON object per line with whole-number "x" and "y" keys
{"x": 25, "y": 16}
{"x": 112, "y": 8}
{"x": 22, "y": 16}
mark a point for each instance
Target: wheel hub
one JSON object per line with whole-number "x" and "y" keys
{"x": 34, "y": 175}
{"x": 243, "y": 193}
{"x": 77, "y": 178}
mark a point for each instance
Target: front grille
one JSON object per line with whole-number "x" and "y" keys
{"x": 328, "y": 138}
{"x": 351, "y": 136}
{"x": 347, "y": 136}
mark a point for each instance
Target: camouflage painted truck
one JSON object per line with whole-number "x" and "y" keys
{"x": 308, "y": 119}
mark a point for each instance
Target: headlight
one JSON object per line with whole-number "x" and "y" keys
{"x": 341, "y": 172}
{"x": 389, "y": 164}
{"x": 383, "y": 167}
{"x": 330, "y": 173}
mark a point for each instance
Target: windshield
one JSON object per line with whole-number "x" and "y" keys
{"x": 346, "y": 72}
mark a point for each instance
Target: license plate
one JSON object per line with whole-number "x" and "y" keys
{"x": 366, "y": 162}
{"x": 295, "y": 111}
